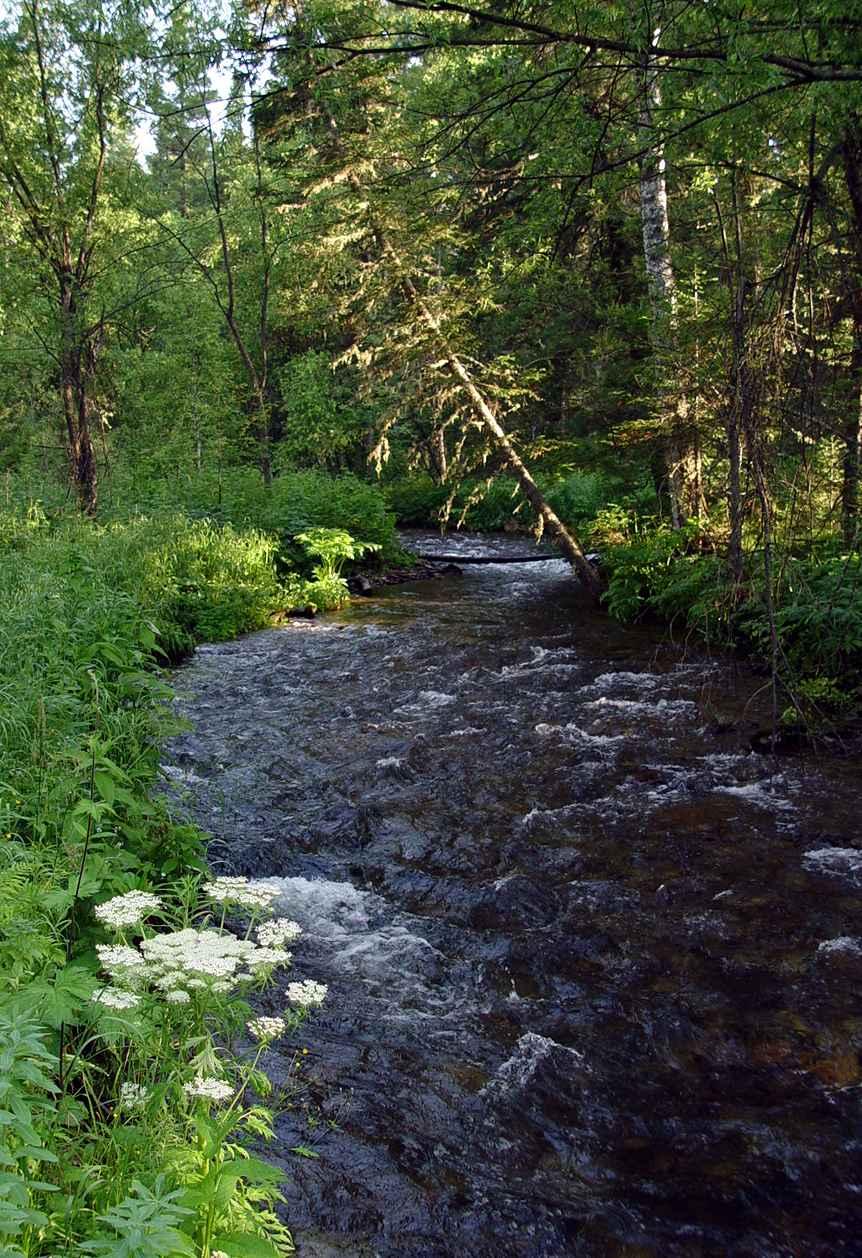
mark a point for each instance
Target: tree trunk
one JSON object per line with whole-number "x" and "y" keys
{"x": 74, "y": 387}
{"x": 263, "y": 437}
{"x": 851, "y": 152}
{"x": 738, "y": 422}
{"x": 852, "y": 438}
{"x": 437, "y": 452}
{"x": 678, "y": 457}
{"x": 565, "y": 539}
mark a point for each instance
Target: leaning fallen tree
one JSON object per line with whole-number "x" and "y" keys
{"x": 401, "y": 275}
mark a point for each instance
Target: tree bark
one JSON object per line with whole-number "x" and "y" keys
{"x": 678, "y": 455}
{"x": 75, "y": 393}
{"x": 739, "y": 415}
{"x": 852, "y": 439}
{"x": 851, "y": 152}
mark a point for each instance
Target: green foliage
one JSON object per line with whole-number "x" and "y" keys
{"x": 26, "y": 1099}
{"x": 144, "y": 1225}
{"x": 86, "y": 616}
{"x": 818, "y": 617}
{"x": 322, "y": 424}
{"x": 294, "y": 503}
{"x": 415, "y": 499}
{"x": 418, "y": 499}
{"x": 332, "y": 548}
{"x": 579, "y": 497}
{"x": 643, "y": 569}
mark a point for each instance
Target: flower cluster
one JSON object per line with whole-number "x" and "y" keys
{"x": 133, "y": 1095}
{"x": 115, "y": 998}
{"x": 307, "y": 994}
{"x": 278, "y": 933}
{"x": 127, "y": 910}
{"x": 209, "y": 1089}
{"x": 189, "y": 960}
{"x": 255, "y": 895}
{"x": 115, "y": 958}
{"x": 180, "y": 962}
{"x": 266, "y": 1029}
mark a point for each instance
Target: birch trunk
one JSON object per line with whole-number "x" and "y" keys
{"x": 852, "y": 428}
{"x": 678, "y": 453}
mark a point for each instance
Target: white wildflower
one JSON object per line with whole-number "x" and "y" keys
{"x": 244, "y": 892}
{"x": 223, "y": 886}
{"x": 307, "y": 994}
{"x": 278, "y": 933}
{"x": 265, "y": 957}
{"x": 133, "y": 1095}
{"x": 114, "y": 998}
{"x": 209, "y": 1089}
{"x": 118, "y": 957}
{"x": 178, "y": 997}
{"x": 127, "y": 910}
{"x": 266, "y": 1029}
{"x": 194, "y": 960}
{"x": 218, "y": 1253}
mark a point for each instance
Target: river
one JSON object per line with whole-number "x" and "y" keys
{"x": 593, "y": 964}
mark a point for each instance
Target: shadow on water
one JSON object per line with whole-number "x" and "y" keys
{"x": 592, "y": 966}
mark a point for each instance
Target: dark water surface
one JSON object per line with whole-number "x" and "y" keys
{"x": 594, "y": 965}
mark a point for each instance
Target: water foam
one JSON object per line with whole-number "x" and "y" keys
{"x": 843, "y": 946}
{"x": 322, "y": 908}
{"x": 516, "y": 1073}
{"x": 574, "y": 733}
{"x": 837, "y": 862}
{"x": 426, "y": 701}
{"x": 662, "y": 708}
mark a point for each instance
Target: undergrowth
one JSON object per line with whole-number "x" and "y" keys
{"x": 108, "y": 1145}
{"x": 815, "y": 609}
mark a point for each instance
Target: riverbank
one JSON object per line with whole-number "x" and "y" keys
{"x": 144, "y": 1083}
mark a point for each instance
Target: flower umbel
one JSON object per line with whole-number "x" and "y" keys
{"x": 199, "y": 960}
{"x": 307, "y": 994}
{"x": 118, "y": 957}
{"x": 127, "y": 910}
{"x": 133, "y": 1095}
{"x": 267, "y": 1029}
{"x": 244, "y": 892}
{"x": 114, "y": 998}
{"x": 278, "y": 933}
{"x": 208, "y": 1089}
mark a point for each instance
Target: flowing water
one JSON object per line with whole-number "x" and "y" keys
{"x": 593, "y": 964}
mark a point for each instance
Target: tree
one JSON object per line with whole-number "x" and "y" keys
{"x": 65, "y": 77}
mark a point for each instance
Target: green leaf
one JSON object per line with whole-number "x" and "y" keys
{"x": 245, "y": 1245}
{"x": 105, "y": 785}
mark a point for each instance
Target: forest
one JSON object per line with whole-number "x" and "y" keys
{"x": 278, "y": 279}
